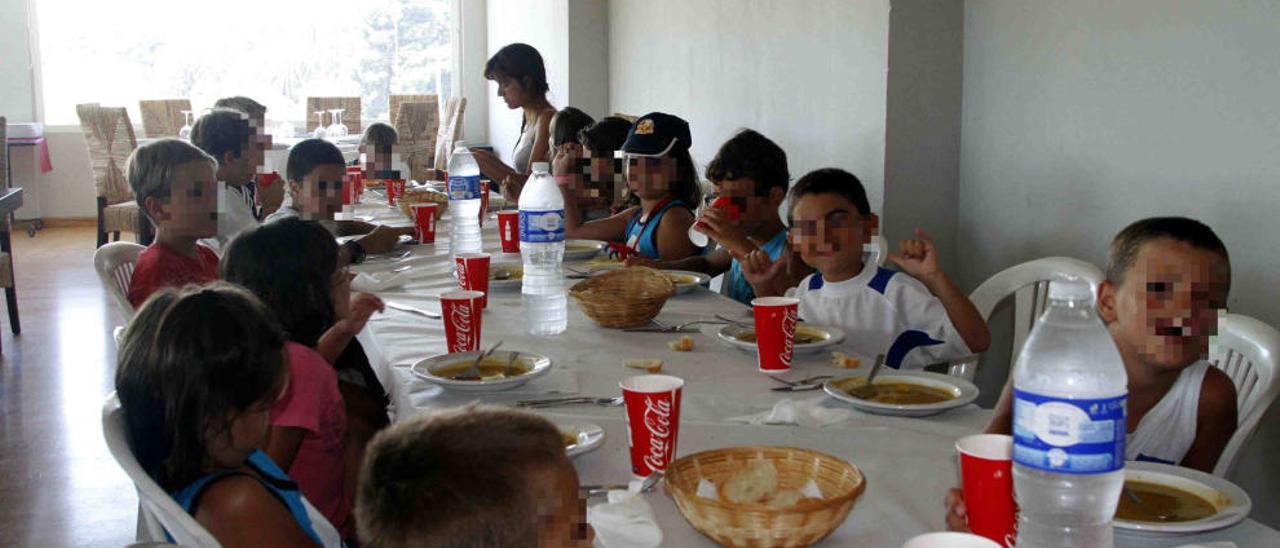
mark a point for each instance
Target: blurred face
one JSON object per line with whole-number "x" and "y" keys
{"x": 191, "y": 211}
{"x": 563, "y": 512}
{"x": 754, "y": 208}
{"x": 238, "y": 170}
{"x": 318, "y": 197}
{"x": 1167, "y": 307}
{"x": 511, "y": 92}
{"x": 341, "y": 293}
{"x": 829, "y": 233}
{"x": 650, "y": 178}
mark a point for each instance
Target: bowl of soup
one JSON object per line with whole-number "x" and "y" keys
{"x": 809, "y": 337}
{"x": 1167, "y": 500}
{"x": 903, "y": 393}
{"x": 581, "y": 250}
{"x": 686, "y": 281}
{"x": 501, "y": 371}
{"x": 505, "y": 275}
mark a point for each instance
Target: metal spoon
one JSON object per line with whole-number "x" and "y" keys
{"x": 866, "y": 391}
{"x": 473, "y": 372}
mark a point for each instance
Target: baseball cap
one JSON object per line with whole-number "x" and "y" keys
{"x": 656, "y": 134}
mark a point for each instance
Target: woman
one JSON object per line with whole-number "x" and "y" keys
{"x": 522, "y": 84}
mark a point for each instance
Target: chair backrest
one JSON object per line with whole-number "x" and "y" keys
{"x": 114, "y": 263}
{"x": 163, "y": 117}
{"x": 155, "y": 504}
{"x": 1246, "y": 350}
{"x": 350, "y": 114}
{"x": 450, "y": 129}
{"x": 417, "y": 127}
{"x": 396, "y": 101}
{"x": 110, "y": 139}
{"x": 1028, "y": 283}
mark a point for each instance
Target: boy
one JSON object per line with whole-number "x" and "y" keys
{"x": 378, "y": 145}
{"x": 750, "y": 170}
{"x": 315, "y": 172}
{"x": 473, "y": 477}
{"x": 177, "y": 190}
{"x": 915, "y": 320}
{"x": 267, "y": 195}
{"x": 230, "y": 137}
{"x": 1167, "y": 279}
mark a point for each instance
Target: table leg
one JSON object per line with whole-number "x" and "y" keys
{"x": 11, "y": 293}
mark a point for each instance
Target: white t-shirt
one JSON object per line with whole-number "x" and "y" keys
{"x": 288, "y": 212}
{"x": 1166, "y": 432}
{"x": 883, "y": 311}
{"x": 235, "y": 215}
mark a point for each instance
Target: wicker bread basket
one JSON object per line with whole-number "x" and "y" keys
{"x": 624, "y": 297}
{"x": 754, "y": 524}
{"x": 422, "y": 195}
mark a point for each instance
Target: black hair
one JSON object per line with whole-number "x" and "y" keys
{"x": 290, "y": 265}
{"x": 605, "y": 136}
{"x": 751, "y": 155}
{"x": 190, "y": 360}
{"x": 382, "y": 137}
{"x": 257, "y": 111}
{"x": 686, "y": 187}
{"x": 832, "y": 180}
{"x": 305, "y": 156}
{"x": 522, "y": 63}
{"x": 567, "y": 124}
{"x": 1126, "y": 245}
{"x": 223, "y": 130}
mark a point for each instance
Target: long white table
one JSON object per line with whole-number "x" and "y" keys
{"x": 909, "y": 463}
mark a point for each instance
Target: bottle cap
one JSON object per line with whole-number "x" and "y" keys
{"x": 541, "y": 167}
{"x": 1070, "y": 288}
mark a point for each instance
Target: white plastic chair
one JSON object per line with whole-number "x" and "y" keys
{"x": 1246, "y": 350}
{"x": 114, "y": 263}
{"x": 1028, "y": 283}
{"x": 157, "y": 511}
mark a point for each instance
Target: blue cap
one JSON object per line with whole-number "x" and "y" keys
{"x": 656, "y": 134}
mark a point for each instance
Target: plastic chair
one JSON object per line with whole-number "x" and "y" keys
{"x": 157, "y": 511}
{"x": 1028, "y": 283}
{"x": 114, "y": 263}
{"x": 1245, "y": 349}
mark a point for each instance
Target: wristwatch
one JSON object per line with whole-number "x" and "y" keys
{"x": 355, "y": 251}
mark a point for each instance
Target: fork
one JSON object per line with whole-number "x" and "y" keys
{"x": 537, "y": 404}
{"x": 669, "y": 329}
{"x": 802, "y": 385}
{"x": 647, "y": 485}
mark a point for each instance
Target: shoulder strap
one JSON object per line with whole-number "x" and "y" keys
{"x": 200, "y": 491}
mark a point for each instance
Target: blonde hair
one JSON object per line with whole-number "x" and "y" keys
{"x": 151, "y": 166}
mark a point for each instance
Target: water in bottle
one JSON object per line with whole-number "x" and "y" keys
{"x": 464, "y": 201}
{"x": 1068, "y": 425}
{"x": 542, "y": 249}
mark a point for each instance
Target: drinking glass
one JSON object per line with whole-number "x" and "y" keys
{"x": 319, "y": 132}
{"x": 337, "y": 129}
{"x": 185, "y": 132}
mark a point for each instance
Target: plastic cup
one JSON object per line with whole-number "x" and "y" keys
{"x": 461, "y": 311}
{"x": 395, "y": 189}
{"x": 484, "y": 200}
{"x": 775, "y": 332}
{"x": 732, "y": 213}
{"x": 986, "y": 477}
{"x": 424, "y": 219}
{"x": 473, "y": 274}
{"x": 949, "y": 540}
{"x": 509, "y": 230}
{"x": 653, "y": 421}
{"x": 356, "y": 177}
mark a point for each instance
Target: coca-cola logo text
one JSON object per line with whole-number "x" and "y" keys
{"x": 788, "y": 333}
{"x": 657, "y": 420}
{"x": 460, "y": 317}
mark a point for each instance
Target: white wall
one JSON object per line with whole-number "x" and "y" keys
{"x": 810, "y": 76}
{"x": 15, "y": 85}
{"x": 472, "y": 47}
{"x": 540, "y": 24}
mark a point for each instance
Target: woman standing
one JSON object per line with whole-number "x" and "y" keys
{"x": 522, "y": 84}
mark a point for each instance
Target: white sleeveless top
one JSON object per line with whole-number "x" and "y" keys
{"x": 1166, "y": 433}
{"x": 524, "y": 147}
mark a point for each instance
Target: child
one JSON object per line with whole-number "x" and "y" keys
{"x": 1167, "y": 279}
{"x": 915, "y": 320}
{"x": 267, "y": 193}
{"x": 751, "y": 170}
{"x": 315, "y": 172}
{"x": 176, "y": 189}
{"x": 663, "y": 186}
{"x": 198, "y": 373}
{"x": 474, "y": 477}
{"x": 231, "y": 138}
{"x": 604, "y": 172}
{"x": 378, "y": 145}
{"x": 572, "y": 169}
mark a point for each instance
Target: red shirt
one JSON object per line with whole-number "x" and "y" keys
{"x": 159, "y": 267}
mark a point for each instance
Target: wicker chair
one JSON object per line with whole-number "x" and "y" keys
{"x": 163, "y": 117}
{"x": 450, "y": 129}
{"x": 350, "y": 114}
{"x": 6, "y": 254}
{"x": 393, "y": 113}
{"x": 417, "y": 125}
{"x": 110, "y": 139}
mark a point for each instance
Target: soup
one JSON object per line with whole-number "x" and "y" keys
{"x": 506, "y": 273}
{"x": 680, "y": 279}
{"x": 569, "y": 439}
{"x": 804, "y": 335}
{"x": 580, "y": 247}
{"x": 1161, "y": 504}
{"x": 901, "y": 393}
{"x": 490, "y": 369}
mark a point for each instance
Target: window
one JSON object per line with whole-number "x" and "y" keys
{"x": 279, "y": 53}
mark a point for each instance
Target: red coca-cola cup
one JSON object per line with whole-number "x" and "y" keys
{"x": 395, "y": 189}
{"x": 461, "y": 311}
{"x": 484, "y": 200}
{"x": 354, "y": 178}
{"x": 473, "y": 273}
{"x": 986, "y": 477}
{"x": 653, "y": 421}
{"x": 775, "y": 332}
{"x": 509, "y": 230}
{"x": 424, "y": 220}
{"x": 265, "y": 180}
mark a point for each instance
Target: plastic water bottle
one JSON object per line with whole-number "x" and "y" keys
{"x": 1068, "y": 425}
{"x": 542, "y": 249}
{"x": 464, "y": 201}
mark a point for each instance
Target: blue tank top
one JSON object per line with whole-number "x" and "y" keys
{"x": 274, "y": 479}
{"x": 739, "y": 288}
{"x": 643, "y": 236}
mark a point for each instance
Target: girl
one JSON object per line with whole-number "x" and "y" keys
{"x": 662, "y": 184}
{"x": 522, "y": 84}
{"x": 198, "y": 373}
{"x": 571, "y": 169}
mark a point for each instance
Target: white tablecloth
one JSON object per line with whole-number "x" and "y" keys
{"x": 909, "y": 463}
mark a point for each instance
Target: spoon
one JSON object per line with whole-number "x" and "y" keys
{"x": 472, "y": 373}
{"x": 510, "y": 370}
{"x": 866, "y": 391}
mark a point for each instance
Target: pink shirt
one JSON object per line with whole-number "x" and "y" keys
{"x": 313, "y": 403}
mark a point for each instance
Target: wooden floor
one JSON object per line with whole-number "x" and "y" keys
{"x": 58, "y": 484}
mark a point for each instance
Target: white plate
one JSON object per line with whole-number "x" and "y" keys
{"x": 581, "y": 250}
{"x": 1233, "y": 503}
{"x": 698, "y": 279}
{"x": 590, "y": 436}
{"x": 728, "y": 334}
{"x": 964, "y": 391}
{"x": 539, "y": 365}
{"x": 509, "y": 283}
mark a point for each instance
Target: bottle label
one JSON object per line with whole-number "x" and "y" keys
{"x": 1084, "y": 436}
{"x": 464, "y": 187}
{"x": 542, "y": 226}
